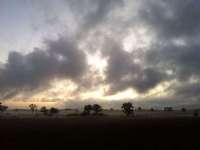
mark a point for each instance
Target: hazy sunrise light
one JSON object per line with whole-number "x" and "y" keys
{"x": 69, "y": 51}
{"x": 99, "y": 73}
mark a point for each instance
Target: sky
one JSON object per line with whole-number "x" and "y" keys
{"x": 68, "y": 53}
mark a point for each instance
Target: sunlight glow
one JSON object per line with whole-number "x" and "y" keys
{"x": 137, "y": 38}
{"x": 65, "y": 90}
{"x": 97, "y": 62}
{"x": 61, "y": 89}
{"x": 124, "y": 95}
{"x": 159, "y": 90}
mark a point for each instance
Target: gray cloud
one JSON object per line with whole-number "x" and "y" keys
{"x": 61, "y": 59}
{"x": 85, "y": 14}
{"x": 165, "y": 60}
{"x": 188, "y": 91}
{"x": 183, "y": 61}
{"x": 93, "y": 12}
{"x": 173, "y": 55}
{"x": 176, "y": 25}
{"x": 124, "y": 72}
{"x": 172, "y": 19}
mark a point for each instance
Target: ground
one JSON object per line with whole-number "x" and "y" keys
{"x": 142, "y": 131}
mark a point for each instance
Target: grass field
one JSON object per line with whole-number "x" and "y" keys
{"x": 141, "y": 131}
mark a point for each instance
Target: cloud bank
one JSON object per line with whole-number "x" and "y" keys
{"x": 164, "y": 48}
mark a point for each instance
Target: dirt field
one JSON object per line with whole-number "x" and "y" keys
{"x": 100, "y": 131}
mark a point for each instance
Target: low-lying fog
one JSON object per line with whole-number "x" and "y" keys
{"x": 20, "y": 113}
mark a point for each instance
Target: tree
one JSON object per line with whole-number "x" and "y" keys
{"x": 139, "y": 108}
{"x": 53, "y": 111}
{"x": 196, "y": 113}
{"x": 87, "y": 109}
{"x": 151, "y": 109}
{"x": 44, "y": 110}
{"x": 128, "y": 108}
{"x": 3, "y": 108}
{"x": 33, "y": 107}
{"x": 96, "y": 108}
{"x": 183, "y": 109}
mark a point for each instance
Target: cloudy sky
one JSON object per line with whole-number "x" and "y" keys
{"x": 72, "y": 52}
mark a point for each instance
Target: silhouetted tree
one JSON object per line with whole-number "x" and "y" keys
{"x": 128, "y": 108}
{"x": 168, "y": 109}
{"x": 196, "y": 113}
{"x": 33, "y": 107}
{"x": 3, "y": 107}
{"x": 183, "y": 109}
{"x": 152, "y": 109}
{"x": 139, "y": 108}
{"x": 96, "y": 108}
{"x": 111, "y": 109}
{"x": 87, "y": 109}
{"x": 44, "y": 110}
{"x": 53, "y": 111}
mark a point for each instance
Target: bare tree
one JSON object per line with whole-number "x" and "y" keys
{"x": 128, "y": 108}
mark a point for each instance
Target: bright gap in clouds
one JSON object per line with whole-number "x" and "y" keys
{"x": 124, "y": 95}
{"x": 137, "y": 39}
{"x": 97, "y": 62}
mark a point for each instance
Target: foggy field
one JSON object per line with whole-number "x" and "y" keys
{"x": 152, "y": 130}
{"x": 107, "y": 113}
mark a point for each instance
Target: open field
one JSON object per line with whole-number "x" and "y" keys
{"x": 114, "y": 113}
{"x": 152, "y": 130}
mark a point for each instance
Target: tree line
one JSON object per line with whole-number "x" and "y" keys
{"x": 95, "y": 109}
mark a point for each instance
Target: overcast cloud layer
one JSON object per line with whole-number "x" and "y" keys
{"x": 164, "y": 37}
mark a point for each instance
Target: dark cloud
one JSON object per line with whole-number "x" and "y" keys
{"x": 61, "y": 59}
{"x": 102, "y": 10}
{"x": 172, "y": 19}
{"x": 123, "y": 71}
{"x": 188, "y": 91}
{"x": 181, "y": 94}
{"x": 93, "y": 12}
{"x": 176, "y": 49}
{"x": 165, "y": 59}
{"x": 183, "y": 61}
{"x": 173, "y": 54}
